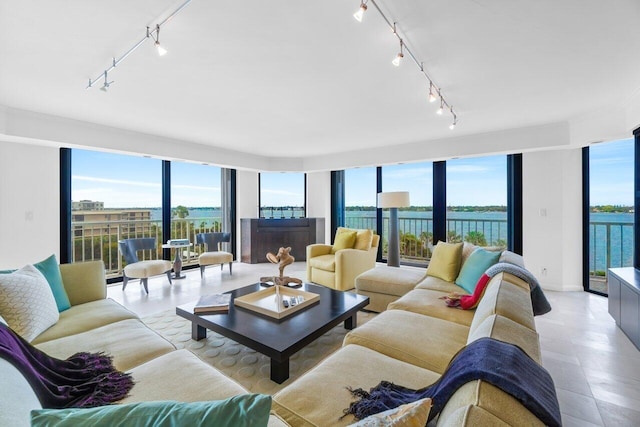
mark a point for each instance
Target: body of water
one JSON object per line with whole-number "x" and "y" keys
{"x": 611, "y": 242}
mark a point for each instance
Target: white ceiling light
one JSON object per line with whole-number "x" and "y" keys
{"x": 398, "y": 58}
{"x": 361, "y": 10}
{"x": 161, "y": 50}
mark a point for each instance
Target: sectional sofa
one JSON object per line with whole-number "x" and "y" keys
{"x": 95, "y": 323}
{"x": 411, "y": 343}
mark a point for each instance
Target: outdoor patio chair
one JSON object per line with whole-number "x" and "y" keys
{"x": 213, "y": 254}
{"x": 142, "y": 270}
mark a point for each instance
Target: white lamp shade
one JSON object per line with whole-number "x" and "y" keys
{"x": 393, "y": 199}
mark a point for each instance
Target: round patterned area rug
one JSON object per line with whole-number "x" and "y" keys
{"x": 246, "y": 366}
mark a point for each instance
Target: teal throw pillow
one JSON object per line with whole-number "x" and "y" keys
{"x": 474, "y": 267}
{"x": 51, "y": 271}
{"x": 251, "y": 410}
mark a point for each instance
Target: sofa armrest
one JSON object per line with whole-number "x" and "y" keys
{"x": 84, "y": 281}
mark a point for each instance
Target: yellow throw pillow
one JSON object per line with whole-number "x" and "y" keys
{"x": 407, "y": 415}
{"x": 344, "y": 240}
{"x": 445, "y": 261}
{"x": 363, "y": 240}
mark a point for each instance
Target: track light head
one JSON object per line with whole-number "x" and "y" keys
{"x": 399, "y": 56}
{"x": 432, "y": 96}
{"x": 441, "y": 109}
{"x": 360, "y": 12}
{"x": 397, "y": 59}
{"x": 452, "y": 126}
{"x": 161, "y": 50}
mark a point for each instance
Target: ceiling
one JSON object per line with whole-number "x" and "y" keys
{"x": 301, "y": 78}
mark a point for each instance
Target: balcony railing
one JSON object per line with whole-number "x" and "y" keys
{"x": 611, "y": 243}
{"x": 99, "y": 240}
{"x": 610, "y": 246}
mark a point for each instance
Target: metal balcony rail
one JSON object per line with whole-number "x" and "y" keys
{"x": 611, "y": 242}
{"x": 98, "y": 240}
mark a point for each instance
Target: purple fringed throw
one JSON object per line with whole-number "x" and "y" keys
{"x": 502, "y": 364}
{"x": 83, "y": 380}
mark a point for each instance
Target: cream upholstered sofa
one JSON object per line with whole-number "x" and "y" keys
{"x": 337, "y": 269}
{"x": 95, "y": 323}
{"x": 410, "y": 344}
{"x": 384, "y": 285}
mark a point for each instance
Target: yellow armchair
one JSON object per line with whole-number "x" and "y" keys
{"x": 339, "y": 270}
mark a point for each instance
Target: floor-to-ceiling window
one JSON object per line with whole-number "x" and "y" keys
{"x": 117, "y": 196}
{"x": 113, "y": 197}
{"x": 477, "y": 200}
{"x": 196, "y": 202}
{"x": 611, "y": 210}
{"x": 415, "y": 222}
{"x": 360, "y": 193}
{"x": 282, "y": 195}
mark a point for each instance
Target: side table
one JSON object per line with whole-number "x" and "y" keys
{"x": 177, "y": 262}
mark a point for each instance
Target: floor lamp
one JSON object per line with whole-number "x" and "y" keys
{"x": 393, "y": 200}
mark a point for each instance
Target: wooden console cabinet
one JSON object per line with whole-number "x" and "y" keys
{"x": 260, "y": 235}
{"x": 624, "y": 301}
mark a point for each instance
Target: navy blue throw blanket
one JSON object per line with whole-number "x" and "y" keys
{"x": 83, "y": 380}
{"x": 502, "y": 364}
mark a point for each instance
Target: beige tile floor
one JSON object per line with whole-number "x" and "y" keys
{"x": 595, "y": 367}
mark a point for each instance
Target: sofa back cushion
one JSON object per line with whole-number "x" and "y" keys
{"x": 506, "y": 299}
{"x": 445, "y": 261}
{"x": 84, "y": 281}
{"x": 503, "y": 329}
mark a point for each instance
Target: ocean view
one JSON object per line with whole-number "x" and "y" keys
{"x": 610, "y": 232}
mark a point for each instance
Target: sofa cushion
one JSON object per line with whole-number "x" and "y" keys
{"x": 184, "y": 378}
{"x": 18, "y": 398}
{"x": 445, "y": 261}
{"x": 320, "y": 396}
{"x": 491, "y": 399}
{"x": 436, "y": 284}
{"x": 512, "y": 258}
{"x": 344, "y": 240}
{"x": 142, "y": 269}
{"x": 389, "y": 280}
{"x": 430, "y": 303}
{"x": 244, "y": 410}
{"x": 323, "y": 262}
{"x": 503, "y": 329}
{"x": 410, "y": 414}
{"x": 51, "y": 271}
{"x": 474, "y": 267}
{"x": 84, "y": 317}
{"x": 129, "y": 342}
{"x": 505, "y": 299}
{"x": 27, "y": 303}
{"x": 471, "y": 416}
{"x": 423, "y": 341}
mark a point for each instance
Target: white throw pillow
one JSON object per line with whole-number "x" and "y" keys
{"x": 27, "y": 303}
{"x": 414, "y": 414}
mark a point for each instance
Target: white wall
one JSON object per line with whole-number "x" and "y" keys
{"x": 552, "y": 220}
{"x": 319, "y": 199}
{"x": 246, "y": 200}
{"x": 29, "y": 204}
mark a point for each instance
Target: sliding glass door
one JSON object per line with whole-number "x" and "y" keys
{"x": 611, "y": 210}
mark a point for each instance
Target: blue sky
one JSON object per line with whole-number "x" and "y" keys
{"x": 123, "y": 181}
{"x": 611, "y": 173}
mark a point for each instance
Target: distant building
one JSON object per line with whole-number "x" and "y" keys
{"x": 87, "y": 205}
{"x": 123, "y": 223}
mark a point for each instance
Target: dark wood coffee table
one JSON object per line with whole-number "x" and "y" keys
{"x": 278, "y": 339}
